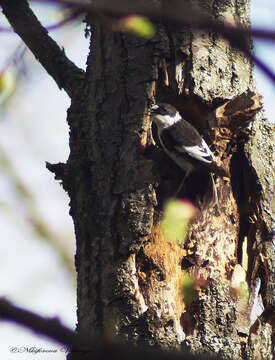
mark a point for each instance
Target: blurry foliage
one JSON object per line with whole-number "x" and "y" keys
{"x": 30, "y": 211}
{"x": 177, "y": 215}
{"x": 241, "y": 290}
{"x": 11, "y": 71}
{"x": 191, "y": 286}
{"x": 188, "y": 289}
{"x": 14, "y": 71}
{"x": 136, "y": 24}
{"x": 7, "y": 86}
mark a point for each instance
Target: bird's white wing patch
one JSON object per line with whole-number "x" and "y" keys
{"x": 199, "y": 152}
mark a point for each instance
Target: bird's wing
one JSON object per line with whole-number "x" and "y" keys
{"x": 182, "y": 132}
{"x": 200, "y": 151}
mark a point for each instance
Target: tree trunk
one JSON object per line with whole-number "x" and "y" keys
{"x": 129, "y": 275}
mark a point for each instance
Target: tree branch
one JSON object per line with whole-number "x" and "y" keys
{"x": 103, "y": 347}
{"x": 71, "y": 17}
{"x": 51, "y": 328}
{"x": 179, "y": 13}
{"x": 65, "y": 73}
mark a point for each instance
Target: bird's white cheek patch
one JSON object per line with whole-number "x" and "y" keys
{"x": 168, "y": 120}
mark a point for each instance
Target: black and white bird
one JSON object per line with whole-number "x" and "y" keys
{"x": 184, "y": 145}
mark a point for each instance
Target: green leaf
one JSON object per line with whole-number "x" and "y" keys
{"x": 241, "y": 290}
{"x": 139, "y": 25}
{"x": 188, "y": 289}
{"x": 7, "y": 86}
{"x": 177, "y": 215}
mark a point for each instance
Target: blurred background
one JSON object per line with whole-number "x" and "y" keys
{"x": 37, "y": 235}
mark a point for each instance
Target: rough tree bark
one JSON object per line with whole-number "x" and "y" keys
{"x": 129, "y": 275}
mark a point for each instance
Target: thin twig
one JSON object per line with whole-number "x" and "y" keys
{"x": 68, "y": 19}
{"x": 52, "y": 328}
{"x": 189, "y": 16}
{"x": 31, "y": 212}
{"x": 103, "y": 347}
{"x": 180, "y": 14}
{"x": 65, "y": 73}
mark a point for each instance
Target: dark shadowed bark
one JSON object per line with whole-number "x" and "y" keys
{"x": 129, "y": 275}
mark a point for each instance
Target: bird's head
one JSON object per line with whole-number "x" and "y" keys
{"x": 164, "y": 115}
